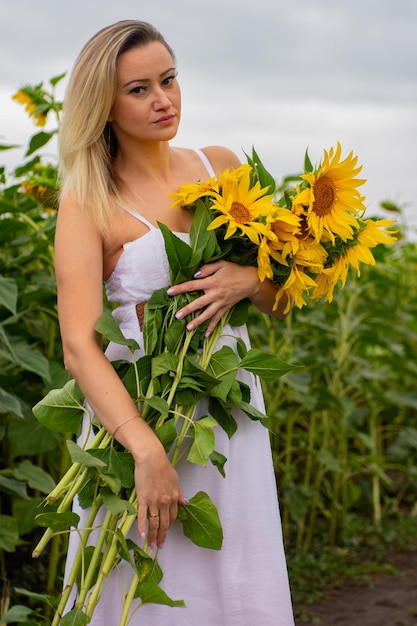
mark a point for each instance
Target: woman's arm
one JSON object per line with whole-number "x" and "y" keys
{"x": 79, "y": 272}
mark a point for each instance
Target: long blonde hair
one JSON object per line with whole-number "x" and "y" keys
{"x": 87, "y": 144}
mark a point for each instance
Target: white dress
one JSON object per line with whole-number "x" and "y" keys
{"x": 246, "y": 582}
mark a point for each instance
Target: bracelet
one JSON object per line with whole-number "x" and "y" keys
{"x": 130, "y": 419}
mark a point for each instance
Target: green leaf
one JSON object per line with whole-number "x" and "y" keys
{"x": 201, "y": 522}
{"x": 84, "y": 457}
{"x": 240, "y": 313}
{"x": 76, "y": 617}
{"x": 222, "y": 413}
{"x": 167, "y": 433}
{"x": 203, "y": 241}
{"x": 110, "y": 329}
{"x": 58, "y": 521}
{"x": 150, "y": 593}
{"x": 158, "y": 403}
{"x": 9, "y": 533}
{"x": 254, "y": 414}
{"x": 152, "y": 328}
{"x": 265, "y": 178}
{"x": 43, "y": 597}
{"x": 30, "y": 359}
{"x": 308, "y": 166}
{"x": 8, "y": 294}
{"x": 17, "y": 613}
{"x": 219, "y": 461}
{"x": 35, "y": 476}
{"x": 37, "y": 141}
{"x": 9, "y": 403}
{"x": 115, "y": 504}
{"x": 117, "y": 463}
{"x": 62, "y": 409}
{"x": 146, "y": 567}
{"x": 174, "y": 335}
{"x": 203, "y": 443}
{"x": 164, "y": 363}
{"x": 266, "y": 366}
{"x": 178, "y": 253}
{"x": 13, "y": 487}
{"x": 56, "y": 79}
{"x": 8, "y": 147}
{"x": 28, "y": 437}
{"x": 25, "y": 512}
{"x": 223, "y": 365}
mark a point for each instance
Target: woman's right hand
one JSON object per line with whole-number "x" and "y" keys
{"x": 158, "y": 492}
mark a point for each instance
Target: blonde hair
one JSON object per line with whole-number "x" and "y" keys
{"x": 87, "y": 144}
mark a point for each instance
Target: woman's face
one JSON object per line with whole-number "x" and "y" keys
{"x": 147, "y": 106}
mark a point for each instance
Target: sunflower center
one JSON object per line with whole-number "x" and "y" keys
{"x": 240, "y": 213}
{"x": 324, "y": 195}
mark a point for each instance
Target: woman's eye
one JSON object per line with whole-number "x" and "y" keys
{"x": 139, "y": 89}
{"x": 169, "y": 80}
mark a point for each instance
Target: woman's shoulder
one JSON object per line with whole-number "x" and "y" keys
{"x": 221, "y": 158}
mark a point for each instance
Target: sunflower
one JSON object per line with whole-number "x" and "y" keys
{"x": 29, "y": 99}
{"x": 357, "y": 250}
{"x": 329, "y": 277}
{"x": 295, "y": 286}
{"x": 242, "y": 204}
{"x": 285, "y": 226}
{"x": 331, "y": 201}
{"x": 264, "y": 260}
{"x": 190, "y": 193}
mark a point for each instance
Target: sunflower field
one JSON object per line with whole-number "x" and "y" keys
{"x": 343, "y": 420}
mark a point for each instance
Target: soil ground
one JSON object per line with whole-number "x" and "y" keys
{"x": 384, "y": 600}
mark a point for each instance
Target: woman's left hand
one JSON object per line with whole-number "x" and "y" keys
{"x": 223, "y": 285}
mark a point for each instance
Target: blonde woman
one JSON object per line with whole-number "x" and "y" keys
{"x": 121, "y": 110}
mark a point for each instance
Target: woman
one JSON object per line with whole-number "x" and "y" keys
{"x": 121, "y": 110}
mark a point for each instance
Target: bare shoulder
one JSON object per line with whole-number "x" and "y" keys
{"x": 221, "y": 158}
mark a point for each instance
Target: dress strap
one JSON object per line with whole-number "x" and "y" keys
{"x": 206, "y": 162}
{"x": 140, "y": 218}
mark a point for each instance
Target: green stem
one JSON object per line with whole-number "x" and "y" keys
{"x": 88, "y": 578}
{"x": 185, "y": 427}
{"x": 107, "y": 565}
{"x": 77, "y": 564}
{"x": 130, "y": 596}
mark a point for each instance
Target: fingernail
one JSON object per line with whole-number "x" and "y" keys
{"x": 170, "y": 291}
{"x": 197, "y": 274}
{"x": 207, "y": 335}
{"x": 186, "y": 501}
{"x": 142, "y": 535}
{"x": 160, "y": 546}
{"x": 152, "y": 545}
{"x": 190, "y": 326}
{"x": 179, "y": 315}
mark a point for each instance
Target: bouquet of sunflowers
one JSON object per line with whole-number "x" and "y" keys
{"x": 304, "y": 242}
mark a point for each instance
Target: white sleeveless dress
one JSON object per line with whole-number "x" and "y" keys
{"x": 246, "y": 582}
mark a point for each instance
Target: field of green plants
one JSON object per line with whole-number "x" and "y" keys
{"x": 343, "y": 422}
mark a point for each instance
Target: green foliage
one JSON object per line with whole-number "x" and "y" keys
{"x": 32, "y": 457}
{"x": 343, "y": 424}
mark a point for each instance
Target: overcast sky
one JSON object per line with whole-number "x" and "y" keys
{"x": 280, "y": 75}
